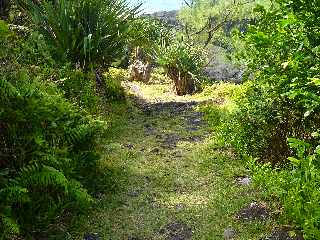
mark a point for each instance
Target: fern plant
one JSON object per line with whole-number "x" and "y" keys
{"x": 48, "y": 149}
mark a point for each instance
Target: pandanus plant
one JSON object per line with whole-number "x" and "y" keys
{"x": 184, "y": 64}
{"x": 91, "y": 34}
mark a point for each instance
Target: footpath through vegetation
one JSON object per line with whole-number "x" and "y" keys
{"x": 116, "y": 125}
{"x": 172, "y": 179}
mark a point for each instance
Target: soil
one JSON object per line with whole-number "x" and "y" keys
{"x": 176, "y": 231}
{"x": 255, "y": 211}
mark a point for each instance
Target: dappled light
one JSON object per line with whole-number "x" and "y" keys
{"x": 121, "y": 121}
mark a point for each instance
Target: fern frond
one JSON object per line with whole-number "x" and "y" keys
{"x": 43, "y": 177}
{"x": 14, "y": 194}
{"x": 79, "y": 194}
{"x": 8, "y": 226}
{"x": 79, "y": 135}
{"x": 7, "y": 90}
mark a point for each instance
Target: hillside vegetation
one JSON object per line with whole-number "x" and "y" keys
{"x": 112, "y": 128}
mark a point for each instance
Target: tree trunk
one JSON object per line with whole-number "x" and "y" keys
{"x": 100, "y": 84}
{"x": 140, "y": 71}
{"x": 184, "y": 83}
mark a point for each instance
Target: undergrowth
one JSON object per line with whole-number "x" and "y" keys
{"x": 49, "y": 141}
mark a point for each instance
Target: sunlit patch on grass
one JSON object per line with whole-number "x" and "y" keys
{"x": 187, "y": 200}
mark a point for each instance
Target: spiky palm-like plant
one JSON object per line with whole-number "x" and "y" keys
{"x": 86, "y": 32}
{"x": 91, "y": 34}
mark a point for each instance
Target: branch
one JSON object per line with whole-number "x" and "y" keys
{"x": 210, "y": 32}
{"x": 188, "y": 4}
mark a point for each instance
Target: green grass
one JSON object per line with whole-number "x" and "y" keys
{"x": 152, "y": 186}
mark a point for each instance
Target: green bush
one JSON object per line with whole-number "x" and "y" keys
{"x": 147, "y": 36}
{"x": 296, "y": 186}
{"x": 184, "y": 57}
{"x": 114, "y": 89}
{"x": 89, "y": 33}
{"x": 260, "y": 124}
{"x": 46, "y": 142}
{"x": 79, "y": 88}
{"x": 48, "y": 145}
{"x": 280, "y": 101}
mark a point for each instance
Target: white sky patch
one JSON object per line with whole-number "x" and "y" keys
{"x": 150, "y": 6}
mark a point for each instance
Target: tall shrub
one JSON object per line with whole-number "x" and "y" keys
{"x": 282, "y": 100}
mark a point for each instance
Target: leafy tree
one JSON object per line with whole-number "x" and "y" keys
{"x": 206, "y": 20}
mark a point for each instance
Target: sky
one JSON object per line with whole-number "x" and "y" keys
{"x": 150, "y": 6}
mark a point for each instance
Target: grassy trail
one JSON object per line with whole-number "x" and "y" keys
{"x": 171, "y": 178}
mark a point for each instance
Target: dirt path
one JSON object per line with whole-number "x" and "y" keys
{"x": 172, "y": 180}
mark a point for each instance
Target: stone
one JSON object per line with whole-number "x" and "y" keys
{"x": 129, "y": 146}
{"x": 245, "y": 181}
{"x": 133, "y": 238}
{"x": 155, "y": 151}
{"x": 255, "y": 211}
{"x": 284, "y": 233}
{"x": 92, "y": 236}
{"x": 195, "y": 139}
{"x": 134, "y": 193}
{"x": 179, "y": 207}
{"x": 170, "y": 141}
{"x": 176, "y": 231}
{"x": 229, "y": 234}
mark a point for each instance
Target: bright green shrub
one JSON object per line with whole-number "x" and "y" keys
{"x": 159, "y": 75}
{"x": 281, "y": 101}
{"x": 114, "y": 89}
{"x": 296, "y": 186}
{"x": 185, "y": 58}
{"x": 90, "y": 35}
{"x": 118, "y": 74}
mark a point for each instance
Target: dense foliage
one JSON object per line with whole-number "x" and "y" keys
{"x": 148, "y": 36}
{"x": 282, "y": 101}
{"x": 86, "y": 32}
{"x": 279, "y": 102}
{"x": 48, "y": 145}
{"x": 49, "y": 149}
{"x": 56, "y": 77}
